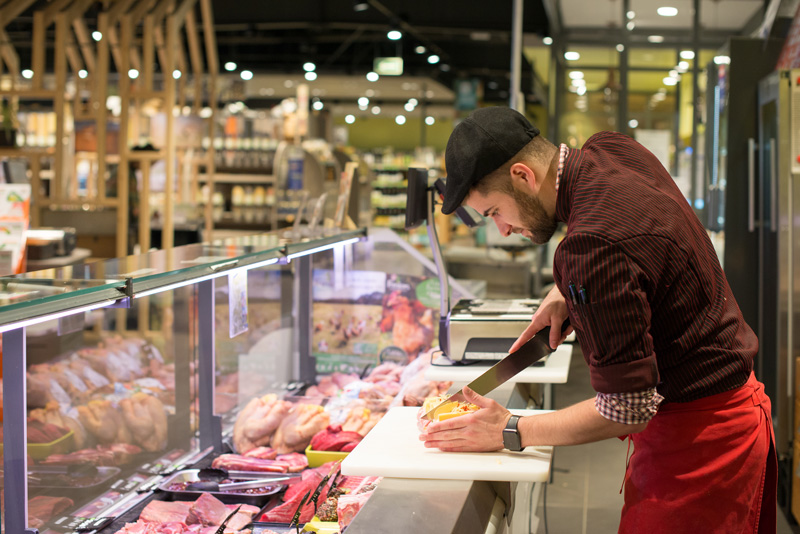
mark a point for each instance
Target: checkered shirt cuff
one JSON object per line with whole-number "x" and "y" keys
{"x": 629, "y": 408}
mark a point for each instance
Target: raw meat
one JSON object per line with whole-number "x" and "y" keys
{"x": 296, "y": 461}
{"x": 298, "y": 427}
{"x": 51, "y": 413}
{"x": 115, "y": 454}
{"x": 146, "y": 527}
{"x": 146, "y": 418}
{"x": 259, "y": 420}
{"x": 42, "y": 509}
{"x": 265, "y": 453}
{"x": 237, "y": 462}
{"x": 334, "y": 438}
{"x": 103, "y": 421}
{"x": 348, "y": 506}
{"x": 165, "y": 512}
{"x": 207, "y": 510}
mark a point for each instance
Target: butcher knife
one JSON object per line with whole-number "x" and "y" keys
{"x": 531, "y": 352}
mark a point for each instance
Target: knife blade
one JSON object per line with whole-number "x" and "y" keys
{"x": 531, "y": 352}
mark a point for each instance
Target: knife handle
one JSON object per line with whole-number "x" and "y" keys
{"x": 544, "y": 333}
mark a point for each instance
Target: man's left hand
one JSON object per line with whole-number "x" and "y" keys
{"x": 480, "y": 431}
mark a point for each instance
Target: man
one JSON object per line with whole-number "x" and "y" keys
{"x": 670, "y": 356}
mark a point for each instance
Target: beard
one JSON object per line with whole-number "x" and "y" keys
{"x": 535, "y": 220}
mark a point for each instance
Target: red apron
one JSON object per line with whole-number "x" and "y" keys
{"x": 705, "y": 467}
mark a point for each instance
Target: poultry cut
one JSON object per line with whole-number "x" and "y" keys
{"x": 259, "y": 420}
{"x": 298, "y": 427}
{"x": 147, "y": 420}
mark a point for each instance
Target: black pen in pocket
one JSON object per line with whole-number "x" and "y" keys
{"x": 572, "y": 293}
{"x": 584, "y": 295}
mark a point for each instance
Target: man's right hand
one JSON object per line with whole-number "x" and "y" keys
{"x": 552, "y": 312}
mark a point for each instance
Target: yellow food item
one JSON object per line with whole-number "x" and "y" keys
{"x": 448, "y": 410}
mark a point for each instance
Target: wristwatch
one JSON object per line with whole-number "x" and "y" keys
{"x": 511, "y": 437}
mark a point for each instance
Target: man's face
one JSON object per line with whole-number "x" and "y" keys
{"x": 519, "y": 212}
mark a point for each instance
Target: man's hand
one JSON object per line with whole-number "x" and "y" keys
{"x": 552, "y": 313}
{"x": 480, "y": 431}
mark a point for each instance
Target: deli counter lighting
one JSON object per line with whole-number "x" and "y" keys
{"x": 322, "y": 248}
{"x": 52, "y": 316}
{"x": 176, "y": 285}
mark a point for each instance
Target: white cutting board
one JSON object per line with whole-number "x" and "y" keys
{"x": 393, "y": 449}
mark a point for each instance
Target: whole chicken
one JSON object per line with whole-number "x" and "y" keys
{"x": 103, "y": 421}
{"x": 147, "y": 419}
{"x": 259, "y": 420}
{"x": 51, "y": 414}
{"x": 298, "y": 427}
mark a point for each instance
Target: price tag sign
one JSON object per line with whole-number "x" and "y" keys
{"x": 71, "y": 323}
{"x": 83, "y": 524}
{"x": 124, "y": 486}
{"x": 237, "y": 302}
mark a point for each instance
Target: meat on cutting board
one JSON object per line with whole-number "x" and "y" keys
{"x": 237, "y": 462}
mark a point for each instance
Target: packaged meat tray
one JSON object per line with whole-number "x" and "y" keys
{"x": 317, "y": 458}
{"x": 40, "y": 451}
{"x": 68, "y": 478}
{"x": 274, "y": 528}
{"x": 175, "y": 487}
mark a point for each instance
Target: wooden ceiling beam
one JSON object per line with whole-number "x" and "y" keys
{"x": 84, "y": 43}
{"x": 12, "y": 10}
{"x": 210, "y": 37}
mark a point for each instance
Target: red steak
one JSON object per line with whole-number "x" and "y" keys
{"x": 207, "y": 510}
{"x": 165, "y": 512}
{"x": 334, "y": 438}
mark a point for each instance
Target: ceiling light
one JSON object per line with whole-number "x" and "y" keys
{"x": 372, "y": 76}
{"x": 620, "y": 47}
{"x": 420, "y": 49}
{"x": 444, "y": 67}
{"x": 176, "y": 74}
{"x": 722, "y": 60}
{"x": 547, "y": 41}
{"x": 133, "y": 74}
{"x": 286, "y": 83}
{"x": 630, "y": 25}
{"x": 493, "y": 85}
{"x": 683, "y": 66}
{"x": 667, "y": 11}
{"x": 370, "y": 93}
{"x": 230, "y": 66}
{"x": 350, "y": 119}
{"x": 376, "y": 110}
{"x": 433, "y": 59}
{"x": 309, "y": 67}
{"x": 633, "y": 123}
{"x": 363, "y": 108}
{"x": 687, "y": 54}
{"x": 429, "y": 120}
{"x": 311, "y": 76}
{"x": 669, "y": 80}
{"x": 413, "y": 101}
{"x": 673, "y": 73}
{"x": 82, "y": 73}
{"x": 96, "y": 35}
{"x": 655, "y": 38}
{"x": 575, "y": 74}
{"x": 206, "y": 113}
{"x": 582, "y": 90}
{"x": 400, "y": 119}
{"x": 630, "y": 14}
{"x": 363, "y": 101}
{"x": 394, "y": 35}
{"x": 572, "y": 56}
{"x": 360, "y": 6}
{"x": 408, "y": 107}
{"x": 246, "y": 75}
{"x": 318, "y": 105}
{"x": 27, "y": 74}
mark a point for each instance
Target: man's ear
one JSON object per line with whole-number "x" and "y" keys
{"x": 524, "y": 178}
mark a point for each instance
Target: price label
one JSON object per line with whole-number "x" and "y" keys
{"x": 124, "y": 486}
{"x": 83, "y": 524}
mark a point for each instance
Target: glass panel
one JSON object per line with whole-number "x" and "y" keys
{"x": 594, "y": 111}
{"x": 652, "y": 58}
{"x": 593, "y": 56}
{"x": 110, "y": 399}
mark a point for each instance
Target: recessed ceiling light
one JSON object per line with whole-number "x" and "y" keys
{"x": 350, "y": 119}
{"x": 318, "y": 105}
{"x": 687, "y": 54}
{"x": 376, "y": 110}
{"x": 310, "y": 76}
{"x": 400, "y": 119}
{"x": 575, "y": 74}
{"x": 547, "y": 41}
{"x": 133, "y": 74}
{"x": 96, "y": 35}
{"x": 667, "y": 11}
{"x": 581, "y": 90}
{"x": 394, "y": 35}
{"x": 722, "y": 60}
{"x": 360, "y": 6}
{"x": 82, "y": 73}
{"x": 630, "y": 14}
{"x": 27, "y": 74}
{"x": 429, "y": 120}
{"x": 620, "y": 47}
{"x": 655, "y": 38}
{"x": 633, "y": 123}
{"x": 246, "y": 75}
{"x": 363, "y": 101}
{"x": 669, "y": 80}
{"x": 230, "y": 66}
{"x": 409, "y": 107}
{"x": 433, "y": 59}
{"x": 630, "y": 25}
{"x": 372, "y": 76}
{"x": 572, "y": 56}
{"x": 309, "y": 67}
{"x": 420, "y": 49}
{"x": 176, "y": 74}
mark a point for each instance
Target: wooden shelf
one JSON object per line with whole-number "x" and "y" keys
{"x": 225, "y": 178}
{"x": 8, "y": 151}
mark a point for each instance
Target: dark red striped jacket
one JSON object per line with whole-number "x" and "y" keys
{"x": 659, "y": 310}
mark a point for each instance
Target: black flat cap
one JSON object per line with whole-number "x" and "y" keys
{"x": 479, "y": 145}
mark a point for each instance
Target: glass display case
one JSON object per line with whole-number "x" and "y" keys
{"x": 264, "y": 358}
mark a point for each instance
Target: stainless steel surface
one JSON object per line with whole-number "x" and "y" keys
{"x": 441, "y": 269}
{"x": 305, "y": 364}
{"x": 256, "y": 480}
{"x": 531, "y": 352}
{"x": 751, "y": 184}
{"x": 480, "y": 319}
{"x": 15, "y": 454}
{"x": 209, "y": 423}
